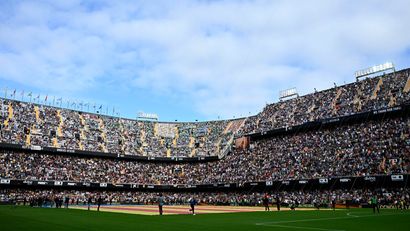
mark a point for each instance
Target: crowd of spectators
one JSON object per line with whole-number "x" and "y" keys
{"x": 38, "y": 125}
{"x": 373, "y": 147}
{"x": 369, "y": 94}
{"x": 363, "y": 149}
{"x": 399, "y": 198}
{"x": 30, "y": 124}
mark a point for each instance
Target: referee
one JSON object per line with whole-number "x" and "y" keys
{"x": 160, "y": 203}
{"x": 99, "y": 202}
{"x": 90, "y": 201}
{"x": 277, "y": 202}
{"x": 192, "y": 203}
{"x": 375, "y": 204}
{"x": 265, "y": 201}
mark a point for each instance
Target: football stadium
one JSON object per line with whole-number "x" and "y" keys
{"x": 336, "y": 158}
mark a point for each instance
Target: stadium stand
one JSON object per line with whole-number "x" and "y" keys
{"x": 29, "y": 124}
{"x": 371, "y": 148}
{"x": 369, "y": 94}
{"x": 355, "y": 132}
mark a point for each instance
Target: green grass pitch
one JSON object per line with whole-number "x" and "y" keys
{"x": 32, "y": 219}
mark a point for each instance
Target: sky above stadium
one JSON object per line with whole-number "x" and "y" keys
{"x": 192, "y": 60}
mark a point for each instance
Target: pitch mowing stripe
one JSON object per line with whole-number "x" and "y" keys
{"x": 107, "y": 209}
{"x": 233, "y": 207}
{"x": 222, "y": 208}
{"x": 168, "y": 210}
{"x": 215, "y": 208}
{"x": 129, "y": 212}
{"x": 207, "y": 209}
{"x": 197, "y": 208}
{"x": 142, "y": 210}
{"x": 171, "y": 210}
{"x": 174, "y": 209}
{"x": 230, "y": 209}
{"x": 165, "y": 210}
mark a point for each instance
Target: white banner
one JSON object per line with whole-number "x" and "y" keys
{"x": 4, "y": 181}
{"x": 374, "y": 69}
{"x": 288, "y": 92}
{"x": 58, "y": 183}
{"x": 323, "y": 181}
{"x": 35, "y": 147}
{"x": 397, "y": 177}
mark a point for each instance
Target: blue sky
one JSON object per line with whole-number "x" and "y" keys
{"x": 189, "y": 60}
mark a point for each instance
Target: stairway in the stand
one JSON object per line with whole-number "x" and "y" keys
{"x": 59, "y": 129}
{"x": 335, "y": 100}
{"x": 10, "y": 115}
{"x": 122, "y": 137}
{"x": 82, "y": 134}
{"x": 407, "y": 86}
{"x": 101, "y": 128}
{"x": 191, "y": 145}
{"x": 142, "y": 139}
{"x": 392, "y": 101}
{"x": 377, "y": 89}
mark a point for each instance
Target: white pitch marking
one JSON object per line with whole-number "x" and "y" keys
{"x": 305, "y": 228}
{"x": 349, "y": 214}
{"x": 328, "y": 218}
